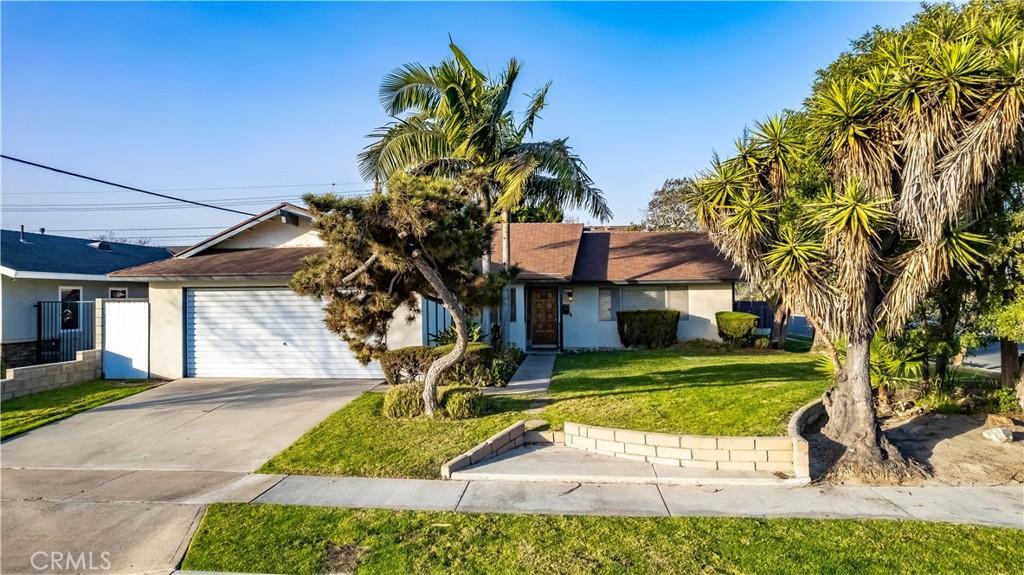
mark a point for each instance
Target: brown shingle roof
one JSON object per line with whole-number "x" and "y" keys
{"x": 255, "y": 263}
{"x": 552, "y": 252}
{"x": 541, "y": 251}
{"x": 650, "y": 256}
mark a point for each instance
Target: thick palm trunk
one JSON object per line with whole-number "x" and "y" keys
{"x": 852, "y": 421}
{"x": 438, "y": 367}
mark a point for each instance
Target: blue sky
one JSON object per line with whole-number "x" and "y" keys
{"x": 236, "y": 96}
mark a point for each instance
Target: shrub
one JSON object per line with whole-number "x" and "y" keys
{"x": 648, "y": 328}
{"x": 735, "y": 327}
{"x": 448, "y": 335}
{"x": 403, "y": 401}
{"x": 462, "y": 402}
{"x": 408, "y": 364}
{"x": 762, "y": 343}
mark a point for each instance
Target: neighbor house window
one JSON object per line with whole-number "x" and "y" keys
{"x": 70, "y": 307}
{"x": 512, "y": 305}
{"x": 678, "y": 298}
{"x": 117, "y": 293}
{"x": 607, "y": 303}
{"x": 638, "y": 298}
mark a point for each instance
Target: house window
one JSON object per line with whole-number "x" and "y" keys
{"x": 639, "y": 298}
{"x": 70, "y": 307}
{"x": 117, "y": 293}
{"x": 678, "y": 298}
{"x": 512, "y": 305}
{"x": 607, "y": 303}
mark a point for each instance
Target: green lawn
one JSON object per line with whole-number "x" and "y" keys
{"x": 32, "y": 411}
{"x": 662, "y": 390}
{"x": 292, "y": 539}
{"x": 358, "y": 440}
{"x": 736, "y": 394}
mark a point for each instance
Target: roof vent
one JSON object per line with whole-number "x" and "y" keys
{"x": 102, "y": 246}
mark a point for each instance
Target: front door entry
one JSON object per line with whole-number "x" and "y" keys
{"x": 544, "y": 316}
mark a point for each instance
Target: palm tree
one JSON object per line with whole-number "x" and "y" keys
{"x": 912, "y": 127}
{"x": 453, "y": 121}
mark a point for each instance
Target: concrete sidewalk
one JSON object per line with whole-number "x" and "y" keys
{"x": 999, "y": 506}
{"x": 533, "y": 376}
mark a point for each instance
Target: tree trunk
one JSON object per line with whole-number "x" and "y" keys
{"x": 439, "y": 365}
{"x": 852, "y": 421}
{"x": 780, "y": 322}
{"x": 1009, "y": 363}
{"x": 506, "y": 238}
{"x": 1020, "y": 380}
{"x": 485, "y": 263}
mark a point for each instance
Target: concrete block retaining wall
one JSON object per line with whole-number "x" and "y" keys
{"x": 773, "y": 454}
{"x": 21, "y": 381}
{"x": 506, "y": 439}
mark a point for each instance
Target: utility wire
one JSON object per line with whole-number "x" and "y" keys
{"x": 108, "y": 183}
{"x": 134, "y": 229}
{"x": 215, "y": 188}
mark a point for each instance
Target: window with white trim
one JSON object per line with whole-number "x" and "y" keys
{"x": 678, "y": 298}
{"x": 607, "y": 303}
{"x": 117, "y": 293}
{"x": 70, "y": 307}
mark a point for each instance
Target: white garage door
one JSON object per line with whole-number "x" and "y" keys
{"x": 266, "y": 332}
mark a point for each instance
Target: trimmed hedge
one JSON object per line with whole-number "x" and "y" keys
{"x": 405, "y": 401}
{"x": 648, "y": 328}
{"x": 736, "y": 327}
{"x": 409, "y": 364}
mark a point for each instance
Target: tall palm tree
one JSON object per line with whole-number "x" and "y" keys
{"x": 912, "y": 127}
{"x": 453, "y": 121}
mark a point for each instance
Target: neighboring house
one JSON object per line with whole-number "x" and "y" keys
{"x": 66, "y": 274}
{"x": 221, "y": 308}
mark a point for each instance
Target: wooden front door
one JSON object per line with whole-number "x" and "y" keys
{"x": 544, "y": 316}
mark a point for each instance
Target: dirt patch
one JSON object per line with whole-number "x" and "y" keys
{"x": 950, "y": 447}
{"x": 342, "y": 559}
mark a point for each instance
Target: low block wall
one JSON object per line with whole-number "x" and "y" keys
{"x": 21, "y": 381}
{"x": 772, "y": 454}
{"x": 506, "y": 439}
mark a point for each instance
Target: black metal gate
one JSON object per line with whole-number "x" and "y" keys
{"x": 64, "y": 328}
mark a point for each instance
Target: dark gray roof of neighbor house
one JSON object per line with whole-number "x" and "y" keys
{"x": 60, "y": 254}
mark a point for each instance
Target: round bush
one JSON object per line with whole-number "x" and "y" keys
{"x": 735, "y": 326}
{"x": 403, "y": 401}
{"x": 462, "y": 402}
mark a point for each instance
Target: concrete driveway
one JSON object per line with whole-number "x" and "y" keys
{"x": 188, "y": 424}
{"x": 124, "y": 485}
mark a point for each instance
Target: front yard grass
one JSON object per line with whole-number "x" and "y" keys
{"x": 358, "y": 440}
{"x": 663, "y": 390}
{"x": 32, "y": 411}
{"x": 293, "y": 539}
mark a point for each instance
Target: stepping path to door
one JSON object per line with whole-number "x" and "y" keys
{"x": 533, "y": 376}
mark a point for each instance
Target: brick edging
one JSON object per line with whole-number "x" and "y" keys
{"x": 506, "y": 439}
{"x": 797, "y": 424}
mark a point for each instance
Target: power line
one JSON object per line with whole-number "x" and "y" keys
{"x": 212, "y": 188}
{"x": 241, "y": 200}
{"x": 108, "y": 183}
{"x": 134, "y": 229}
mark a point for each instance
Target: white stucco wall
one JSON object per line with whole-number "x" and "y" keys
{"x": 274, "y": 234}
{"x": 167, "y": 316}
{"x": 583, "y": 329}
{"x": 18, "y": 297}
{"x": 515, "y": 332}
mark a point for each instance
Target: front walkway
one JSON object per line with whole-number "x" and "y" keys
{"x": 533, "y": 376}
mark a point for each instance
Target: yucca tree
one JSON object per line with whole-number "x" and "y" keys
{"x": 453, "y": 121}
{"x": 912, "y": 128}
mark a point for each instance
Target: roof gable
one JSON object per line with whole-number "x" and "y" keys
{"x": 45, "y": 253}
{"x": 233, "y": 233}
{"x": 541, "y": 251}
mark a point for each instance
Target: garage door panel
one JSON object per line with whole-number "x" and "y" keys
{"x": 264, "y": 333}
